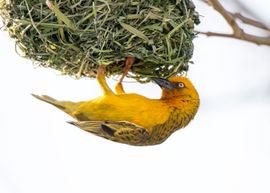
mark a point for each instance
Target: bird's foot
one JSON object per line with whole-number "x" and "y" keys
{"x": 128, "y": 64}
{"x": 100, "y": 71}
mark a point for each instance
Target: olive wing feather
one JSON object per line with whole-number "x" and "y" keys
{"x": 120, "y": 131}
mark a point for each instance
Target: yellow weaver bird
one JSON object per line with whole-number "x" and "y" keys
{"x": 131, "y": 118}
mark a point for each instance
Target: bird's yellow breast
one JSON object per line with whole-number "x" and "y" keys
{"x": 126, "y": 107}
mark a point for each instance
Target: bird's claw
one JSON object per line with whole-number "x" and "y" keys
{"x": 100, "y": 71}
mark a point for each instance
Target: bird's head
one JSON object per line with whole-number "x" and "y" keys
{"x": 177, "y": 87}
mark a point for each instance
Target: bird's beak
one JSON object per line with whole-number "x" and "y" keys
{"x": 163, "y": 83}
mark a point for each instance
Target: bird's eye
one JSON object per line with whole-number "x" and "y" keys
{"x": 181, "y": 85}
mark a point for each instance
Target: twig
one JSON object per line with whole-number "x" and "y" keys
{"x": 238, "y": 32}
{"x": 249, "y": 21}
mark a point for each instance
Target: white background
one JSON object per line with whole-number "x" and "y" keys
{"x": 226, "y": 148}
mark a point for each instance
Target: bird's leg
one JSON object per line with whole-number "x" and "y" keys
{"x": 102, "y": 81}
{"x": 128, "y": 64}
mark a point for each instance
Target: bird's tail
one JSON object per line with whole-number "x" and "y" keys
{"x": 66, "y": 106}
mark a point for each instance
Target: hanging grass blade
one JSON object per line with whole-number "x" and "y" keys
{"x": 62, "y": 17}
{"x": 134, "y": 31}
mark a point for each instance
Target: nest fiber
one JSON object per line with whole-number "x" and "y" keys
{"x": 75, "y": 36}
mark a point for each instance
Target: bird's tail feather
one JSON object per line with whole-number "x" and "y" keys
{"x": 65, "y": 106}
{"x": 49, "y": 100}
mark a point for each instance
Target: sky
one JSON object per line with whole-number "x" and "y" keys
{"x": 226, "y": 148}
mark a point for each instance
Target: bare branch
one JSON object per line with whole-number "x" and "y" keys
{"x": 238, "y": 32}
{"x": 249, "y": 21}
{"x": 216, "y": 34}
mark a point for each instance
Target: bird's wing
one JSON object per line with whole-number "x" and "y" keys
{"x": 120, "y": 131}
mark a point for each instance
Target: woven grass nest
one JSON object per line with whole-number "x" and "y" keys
{"x": 75, "y": 36}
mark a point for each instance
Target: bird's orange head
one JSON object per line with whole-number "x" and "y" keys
{"x": 177, "y": 87}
